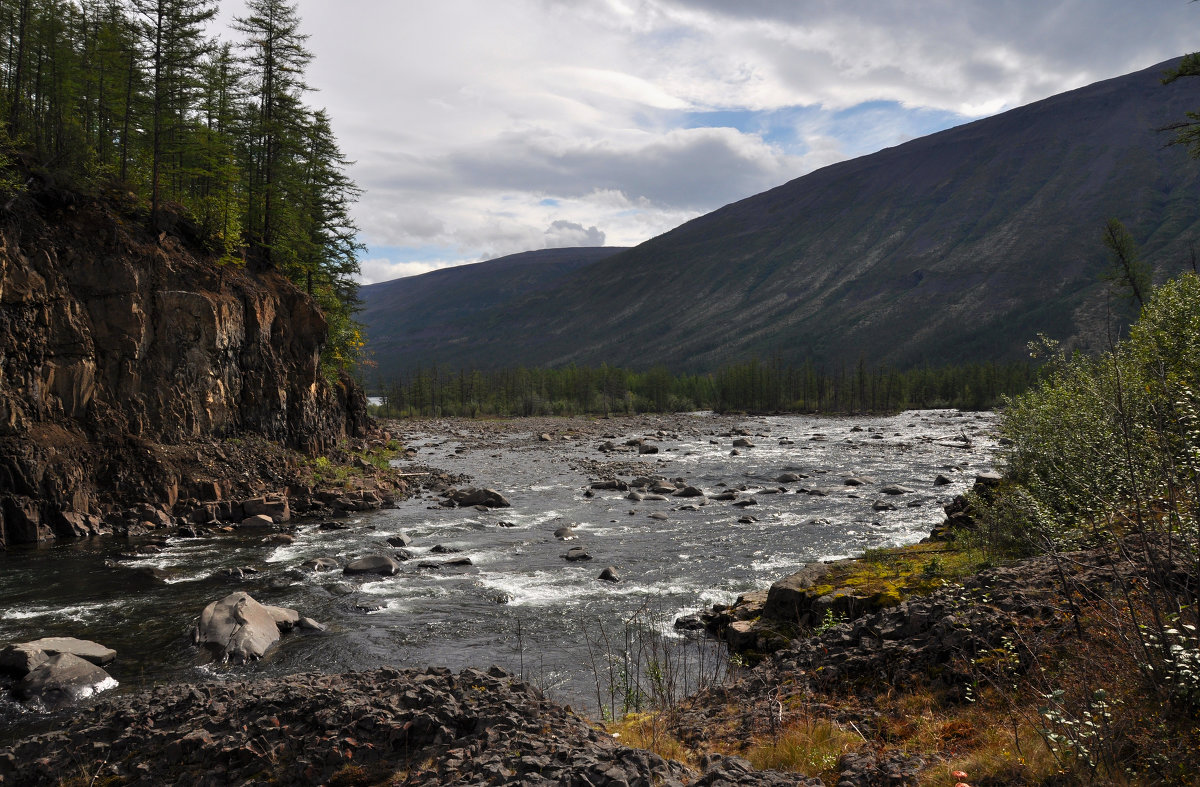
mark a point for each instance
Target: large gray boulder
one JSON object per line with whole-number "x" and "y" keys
{"x": 62, "y": 679}
{"x": 372, "y": 564}
{"x": 240, "y": 629}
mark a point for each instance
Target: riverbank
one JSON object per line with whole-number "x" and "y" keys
{"x": 956, "y": 680}
{"x": 572, "y": 456}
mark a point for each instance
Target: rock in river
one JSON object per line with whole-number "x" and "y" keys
{"x": 21, "y": 658}
{"x": 372, "y": 564}
{"x": 479, "y": 497}
{"x": 63, "y": 679}
{"x": 240, "y": 629}
{"x": 575, "y": 554}
{"x": 609, "y": 574}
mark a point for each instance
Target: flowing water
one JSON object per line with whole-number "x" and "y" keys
{"x": 520, "y": 604}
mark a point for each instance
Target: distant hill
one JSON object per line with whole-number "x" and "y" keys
{"x": 958, "y": 246}
{"x": 410, "y": 320}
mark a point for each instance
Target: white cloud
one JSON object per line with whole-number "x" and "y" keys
{"x": 564, "y": 234}
{"x": 478, "y": 125}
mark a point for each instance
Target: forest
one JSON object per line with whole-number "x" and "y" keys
{"x": 213, "y": 139}
{"x": 754, "y": 386}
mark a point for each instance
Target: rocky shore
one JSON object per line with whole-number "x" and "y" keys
{"x": 383, "y": 726}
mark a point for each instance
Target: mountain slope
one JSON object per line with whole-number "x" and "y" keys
{"x": 410, "y": 320}
{"x": 961, "y": 245}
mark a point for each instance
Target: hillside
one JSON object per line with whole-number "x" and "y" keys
{"x": 958, "y": 246}
{"x": 417, "y": 316}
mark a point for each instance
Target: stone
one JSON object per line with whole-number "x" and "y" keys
{"x": 941, "y": 480}
{"x": 63, "y": 679}
{"x": 659, "y": 515}
{"x": 21, "y": 658}
{"x": 276, "y": 507}
{"x": 488, "y": 498}
{"x": 647, "y": 448}
{"x": 883, "y": 505}
{"x": 564, "y": 533}
{"x": 788, "y": 599}
{"x": 401, "y": 540}
{"x": 609, "y": 574}
{"x": 372, "y": 564}
{"x": 239, "y": 629}
{"x": 689, "y": 491}
{"x": 576, "y": 554}
{"x": 789, "y": 478}
{"x": 896, "y": 489}
{"x": 257, "y": 522}
{"x": 742, "y": 442}
{"x": 989, "y": 478}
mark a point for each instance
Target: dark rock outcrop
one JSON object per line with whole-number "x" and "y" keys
{"x": 386, "y": 725}
{"x": 116, "y": 343}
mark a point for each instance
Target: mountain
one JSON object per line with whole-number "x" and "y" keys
{"x": 415, "y": 317}
{"x": 957, "y": 246}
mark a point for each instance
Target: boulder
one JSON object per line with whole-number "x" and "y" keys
{"x": 989, "y": 478}
{"x": 940, "y": 480}
{"x": 22, "y": 658}
{"x": 609, "y": 574}
{"x": 401, "y": 540}
{"x": 372, "y": 564}
{"x": 634, "y": 496}
{"x": 575, "y": 554}
{"x": 647, "y": 448}
{"x": 688, "y": 491}
{"x": 488, "y": 498}
{"x": 564, "y": 533}
{"x": 896, "y": 489}
{"x": 742, "y": 442}
{"x": 854, "y": 481}
{"x": 239, "y": 629}
{"x": 883, "y": 505}
{"x": 789, "y": 598}
{"x": 62, "y": 679}
{"x": 308, "y": 624}
{"x": 789, "y": 478}
{"x": 276, "y": 507}
{"x": 615, "y": 484}
{"x": 658, "y": 515}
{"x": 257, "y": 522}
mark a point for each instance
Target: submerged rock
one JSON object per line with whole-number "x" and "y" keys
{"x": 372, "y": 564}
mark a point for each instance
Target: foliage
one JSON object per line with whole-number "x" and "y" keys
{"x": 217, "y": 141}
{"x": 752, "y": 386}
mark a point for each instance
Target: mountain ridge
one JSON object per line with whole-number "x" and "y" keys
{"x": 961, "y": 245}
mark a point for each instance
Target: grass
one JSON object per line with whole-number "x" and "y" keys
{"x": 809, "y": 746}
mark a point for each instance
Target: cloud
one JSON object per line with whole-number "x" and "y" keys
{"x": 477, "y": 127}
{"x": 564, "y": 234}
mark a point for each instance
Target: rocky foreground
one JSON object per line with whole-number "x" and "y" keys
{"x": 420, "y": 727}
{"x": 386, "y": 725}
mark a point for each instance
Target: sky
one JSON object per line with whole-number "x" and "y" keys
{"x": 481, "y": 128}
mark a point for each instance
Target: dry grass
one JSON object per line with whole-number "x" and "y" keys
{"x": 649, "y": 731}
{"x": 808, "y": 746}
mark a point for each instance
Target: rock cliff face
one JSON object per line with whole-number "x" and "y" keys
{"x": 114, "y": 343}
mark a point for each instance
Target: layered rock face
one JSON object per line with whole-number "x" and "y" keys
{"x": 113, "y": 343}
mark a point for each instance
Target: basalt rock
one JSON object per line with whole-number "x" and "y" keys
{"x": 386, "y": 725}
{"x": 119, "y": 346}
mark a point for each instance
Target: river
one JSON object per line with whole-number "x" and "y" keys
{"x": 520, "y": 605}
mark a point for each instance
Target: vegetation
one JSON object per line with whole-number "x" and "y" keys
{"x": 749, "y": 387}
{"x": 216, "y": 141}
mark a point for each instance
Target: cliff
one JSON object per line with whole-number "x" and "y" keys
{"x": 118, "y": 348}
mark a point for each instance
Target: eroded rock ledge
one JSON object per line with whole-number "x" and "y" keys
{"x": 116, "y": 346}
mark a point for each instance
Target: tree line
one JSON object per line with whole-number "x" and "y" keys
{"x": 754, "y": 386}
{"x": 214, "y": 138}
